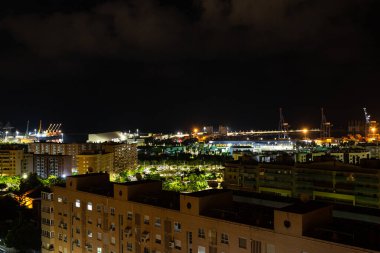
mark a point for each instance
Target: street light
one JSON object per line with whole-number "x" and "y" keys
{"x": 305, "y": 131}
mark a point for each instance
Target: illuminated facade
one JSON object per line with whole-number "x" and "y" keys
{"x": 90, "y": 214}
{"x": 52, "y": 165}
{"x": 95, "y": 162}
{"x": 71, "y": 149}
{"x": 11, "y": 162}
{"x": 125, "y": 155}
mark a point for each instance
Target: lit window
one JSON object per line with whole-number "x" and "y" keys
{"x": 177, "y": 226}
{"x": 99, "y": 250}
{"x": 89, "y": 233}
{"x": 89, "y": 206}
{"x": 77, "y": 203}
{"x": 59, "y": 199}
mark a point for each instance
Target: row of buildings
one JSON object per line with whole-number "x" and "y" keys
{"x": 325, "y": 180}
{"x": 60, "y": 159}
{"x": 91, "y": 214}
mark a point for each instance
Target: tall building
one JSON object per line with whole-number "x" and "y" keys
{"x": 125, "y": 155}
{"x": 93, "y": 215}
{"x": 95, "y": 162}
{"x": 71, "y": 149}
{"x": 11, "y": 162}
{"x": 52, "y": 165}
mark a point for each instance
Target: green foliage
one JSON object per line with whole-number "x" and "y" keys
{"x": 13, "y": 183}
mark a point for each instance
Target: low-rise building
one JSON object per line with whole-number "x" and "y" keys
{"x": 92, "y": 214}
{"x": 330, "y": 181}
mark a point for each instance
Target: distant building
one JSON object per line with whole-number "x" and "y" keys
{"x": 125, "y": 155}
{"x": 52, "y": 165}
{"x": 329, "y": 181}
{"x": 95, "y": 162}
{"x": 351, "y": 156}
{"x": 357, "y": 127}
{"x": 116, "y": 136}
{"x": 208, "y": 129}
{"x": 223, "y": 130}
{"x": 91, "y": 214}
{"x": 11, "y": 162}
{"x": 71, "y": 149}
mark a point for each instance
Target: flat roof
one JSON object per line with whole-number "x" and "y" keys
{"x": 165, "y": 199}
{"x": 139, "y": 182}
{"x": 207, "y": 192}
{"x": 88, "y": 175}
{"x": 302, "y": 208}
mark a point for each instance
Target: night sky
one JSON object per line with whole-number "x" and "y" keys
{"x": 168, "y": 65}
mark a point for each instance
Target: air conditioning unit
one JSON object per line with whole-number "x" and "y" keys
{"x": 171, "y": 245}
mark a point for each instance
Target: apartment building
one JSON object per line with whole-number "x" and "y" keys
{"x": 70, "y": 149}
{"x": 52, "y": 165}
{"x": 329, "y": 181}
{"x": 11, "y": 162}
{"x": 91, "y": 214}
{"x": 125, "y": 155}
{"x": 95, "y": 162}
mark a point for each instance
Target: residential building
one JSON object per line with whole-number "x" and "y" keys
{"x": 91, "y": 162}
{"x": 71, "y": 149}
{"x": 11, "y": 162}
{"x": 125, "y": 155}
{"x": 329, "y": 181}
{"x": 92, "y": 214}
{"x": 52, "y": 165}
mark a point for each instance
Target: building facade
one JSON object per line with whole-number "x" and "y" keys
{"x": 95, "y": 162}
{"x": 70, "y": 149}
{"x": 330, "y": 181}
{"x": 11, "y": 162}
{"x": 52, "y": 165}
{"x": 125, "y": 155}
{"x": 93, "y": 215}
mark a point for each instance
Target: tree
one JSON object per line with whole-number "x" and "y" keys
{"x": 24, "y": 237}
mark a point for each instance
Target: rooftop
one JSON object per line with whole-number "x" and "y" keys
{"x": 87, "y": 175}
{"x": 138, "y": 182}
{"x": 165, "y": 199}
{"x": 205, "y": 193}
{"x": 302, "y": 208}
{"x": 244, "y": 213}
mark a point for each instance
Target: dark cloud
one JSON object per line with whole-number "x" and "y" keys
{"x": 225, "y": 28}
{"x": 295, "y": 53}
